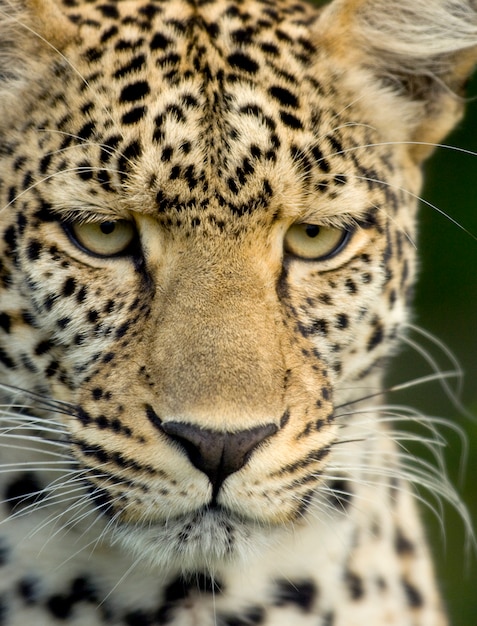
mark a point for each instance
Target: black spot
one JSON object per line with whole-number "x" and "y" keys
{"x": 29, "y": 590}
{"x": 45, "y": 212}
{"x": 108, "y": 148}
{"x": 81, "y": 295}
{"x": 335, "y": 144}
{"x": 232, "y": 185}
{"x": 175, "y": 172}
{"x": 322, "y": 186}
{"x": 282, "y": 36}
{"x": 402, "y": 544}
{"x": 87, "y": 130}
{"x": 413, "y": 595}
{"x": 206, "y": 584}
{"x": 93, "y": 54}
{"x": 69, "y": 287}
{"x": 181, "y": 587}
{"x": 139, "y": 618}
{"x": 341, "y": 495}
{"x": 43, "y": 347}
{"x": 126, "y": 44}
{"x": 84, "y": 417}
{"x": 376, "y": 338}
{"x": 33, "y": 249}
{"x": 122, "y": 330}
{"x": 134, "y": 115}
{"x": 300, "y": 593}
{"x": 84, "y": 170}
{"x": 60, "y": 606}
{"x": 354, "y": 584}
{"x": 242, "y": 35}
{"x": 135, "y": 91}
{"x": 320, "y": 327}
{"x": 5, "y": 322}
{"x": 52, "y": 369}
{"x": 22, "y": 490}
{"x": 284, "y": 96}
{"x": 320, "y": 159}
{"x": 27, "y": 180}
{"x": 131, "y": 67}
{"x": 270, "y": 48}
{"x": 339, "y": 179}
{"x": 102, "y": 422}
{"x": 301, "y": 159}
{"x": 342, "y": 321}
{"x": 242, "y": 61}
{"x": 49, "y": 301}
{"x": 159, "y": 42}
{"x": 290, "y": 120}
{"x": 150, "y": 11}
{"x": 132, "y": 151}
{"x": 97, "y": 393}
{"x": 170, "y": 59}
{"x": 22, "y": 222}
{"x": 350, "y": 286}
{"x": 63, "y": 322}
{"x": 83, "y": 590}
{"x": 109, "y": 10}
{"x": 178, "y": 589}
{"x": 45, "y": 162}
{"x": 92, "y": 316}
{"x": 166, "y": 153}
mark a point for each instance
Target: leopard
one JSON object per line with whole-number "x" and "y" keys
{"x": 207, "y": 261}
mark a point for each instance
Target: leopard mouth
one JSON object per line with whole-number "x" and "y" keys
{"x": 202, "y": 540}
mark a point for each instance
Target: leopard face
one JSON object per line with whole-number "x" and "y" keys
{"x": 208, "y": 255}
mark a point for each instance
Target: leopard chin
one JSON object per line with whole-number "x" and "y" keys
{"x": 204, "y": 540}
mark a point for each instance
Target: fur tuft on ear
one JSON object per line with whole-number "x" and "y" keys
{"x": 420, "y": 51}
{"x": 30, "y": 30}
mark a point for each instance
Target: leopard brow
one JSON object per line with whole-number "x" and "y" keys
{"x": 90, "y": 214}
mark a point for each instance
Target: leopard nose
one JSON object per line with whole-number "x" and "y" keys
{"x": 215, "y": 453}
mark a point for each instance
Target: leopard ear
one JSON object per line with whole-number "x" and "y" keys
{"x": 29, "y": 30}
{"x": 413, "y": 58}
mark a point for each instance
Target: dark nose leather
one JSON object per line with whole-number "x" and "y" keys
{"x": 215, "y": 453}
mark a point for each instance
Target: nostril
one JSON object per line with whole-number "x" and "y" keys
{"x": 216, "y": 453}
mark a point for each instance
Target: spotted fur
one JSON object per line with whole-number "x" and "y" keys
{"x": 192, "y": 422}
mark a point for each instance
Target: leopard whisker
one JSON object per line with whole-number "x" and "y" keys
{"x": 421, "y": 380}
{"x": 60, "y": 406}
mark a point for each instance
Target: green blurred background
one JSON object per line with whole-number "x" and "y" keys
{"x": 446, "y": 305}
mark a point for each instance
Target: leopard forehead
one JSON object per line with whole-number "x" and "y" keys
{"x": 223, "y": 119}
{"x": 224, "y": 112}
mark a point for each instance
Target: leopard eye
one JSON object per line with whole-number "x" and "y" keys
{"x": 105, "y": 239}
{"x": 315, "y": 243}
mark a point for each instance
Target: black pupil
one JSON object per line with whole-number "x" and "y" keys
{"x": 312, "y": 230}
{"x": 107, "y": 227}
